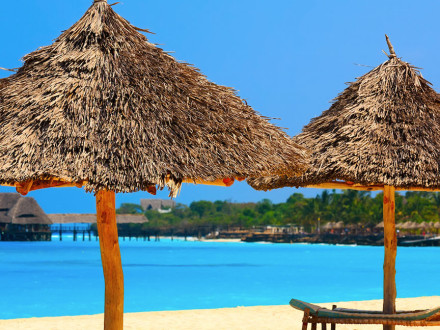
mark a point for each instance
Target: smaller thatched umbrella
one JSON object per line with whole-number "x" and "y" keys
{"x": 381, "y": 133}
{"x": 413, "y": 225}
{"x": 328, "y": 226}
{"x": 379, "y": 225}
{"x": 437, "y": 226}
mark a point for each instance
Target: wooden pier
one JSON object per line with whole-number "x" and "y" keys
{"x": 78, "y": 233}
{"x": 23, "y": 236}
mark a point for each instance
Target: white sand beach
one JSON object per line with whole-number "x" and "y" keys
{"x": 259, "y": 317}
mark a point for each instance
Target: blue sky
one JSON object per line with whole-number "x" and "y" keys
{"x": 287, "y": 58}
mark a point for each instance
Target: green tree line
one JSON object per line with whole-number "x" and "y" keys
{"x": 349, "y": 206}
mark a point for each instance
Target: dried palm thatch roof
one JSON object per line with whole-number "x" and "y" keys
{"x": 15, "y": 209}
{"x": 382, "y": 130}
{"x": 328, "y": 225}
{"x": 72, "y": 218}
{"x": 104, "y": 105}
{"x": 3, "y": 82}
{"x": 27, "y": 211}
{"x": 7, "y": 202}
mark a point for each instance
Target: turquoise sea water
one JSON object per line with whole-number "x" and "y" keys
{"x": 65, "y": 278}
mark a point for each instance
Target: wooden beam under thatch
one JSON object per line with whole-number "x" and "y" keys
{"x": 24, "y": 188}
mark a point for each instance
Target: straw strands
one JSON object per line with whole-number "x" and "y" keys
{"x": 105, "y": 106}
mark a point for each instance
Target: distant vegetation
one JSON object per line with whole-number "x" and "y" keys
{"x": 350, "y": 206}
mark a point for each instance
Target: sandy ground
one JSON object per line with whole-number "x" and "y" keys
{"x": 259, "y": 317}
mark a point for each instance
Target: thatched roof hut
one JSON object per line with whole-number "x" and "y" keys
{"x": 7, "y": 202}
{"x": 407, "y": 225}
{"x": 157, "y": 204}
{"x": 27, "y": 211}
{"x": 91, "y": 218}
{"x": 104, "y": 106}
{"x": 382, "y": 130}
{"x": 328, "y": 226}
{"x": 18, "y": 210}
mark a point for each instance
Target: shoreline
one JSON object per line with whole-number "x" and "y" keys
{"x": 403, "y": 241}
{"x": 257, "y": 317}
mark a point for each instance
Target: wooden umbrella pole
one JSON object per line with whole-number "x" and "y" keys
{"x": 390, "y": 242}
{"x": 111, "y": 260}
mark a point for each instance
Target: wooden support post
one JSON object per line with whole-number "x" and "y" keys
{"x": 111, "y": 260}
{"x": 333, "y": 325}
{"x": 390, "y": 242}
{"x": 305, "y": 319}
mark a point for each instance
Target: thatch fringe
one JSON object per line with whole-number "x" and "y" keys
{"x": 104, "y": 105}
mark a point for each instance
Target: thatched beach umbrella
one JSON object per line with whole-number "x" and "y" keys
{"x": 413, "y": 226}
{"x": 381, "y": 133}
{"x": 407, "y": 225}
{"x": 104, "y": 108}
{"x": 437, "y": 226}
{"x": 328, "y": 226}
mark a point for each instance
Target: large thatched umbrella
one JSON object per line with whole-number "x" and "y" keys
{"x": 381, "y": 133}
{"x": 105, "y": 109}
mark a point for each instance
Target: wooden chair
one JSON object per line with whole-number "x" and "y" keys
{"x": 314, "y": 315}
